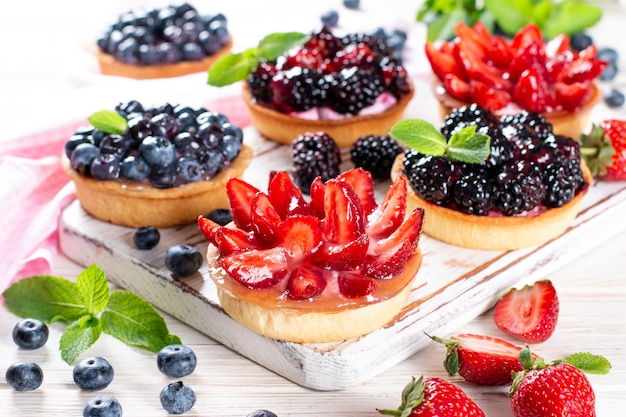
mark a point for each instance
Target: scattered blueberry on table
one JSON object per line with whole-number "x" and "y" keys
{"x": 30, "y": 334}
{"x": 94, "y": 373}
{"x": 147, "y": 237}
{"x": 102, "y": 406}
{"x": 177, "y": 398}
{"x": 24, "y": 376}
{"x": 176, "y": 361}
{"x": 183, "y": 260}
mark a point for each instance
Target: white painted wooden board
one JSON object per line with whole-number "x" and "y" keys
{"x": 453, "y": 285}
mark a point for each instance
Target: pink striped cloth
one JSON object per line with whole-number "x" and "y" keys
{"x": 34, "y": 191}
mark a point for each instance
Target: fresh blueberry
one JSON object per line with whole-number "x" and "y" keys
{"x": 580, "y": 41}
{"x": 261, "y": 413}
{"x": 93, "y": 373}
{"x": 330, "y": 18}
{"x": 189, "y": 169}
{"x": 75, "y": 140}
{"x": 157, "y": 151}
{"x": 83, "y": 156}
{"x": 183, "y": 260}
{"x": 134, "y": 168}
{"x": 220, "y": 216}
{"x": 193, "y": 52}
{"x": 352, "y": 4}
{"x": 162, "y": 176}
{"x": 146, "y": 237}
{"x": 176, "y": 361}
{"x": 177, "y": 398}
{"x": 24, "y": 376}
{"x": 212, "y": 164}
{"x": 231, "y": 147}
{"x": 30, "y": 334}
{"x": 609, "y": 55}
{"x": 614, "y": 98}
{"x": 609, "y": 73}
{"x": 102, "y": 406}
{"x": 106, "y": 167}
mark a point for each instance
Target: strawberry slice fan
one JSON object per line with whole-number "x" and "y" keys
{"x": 37, "y": 190}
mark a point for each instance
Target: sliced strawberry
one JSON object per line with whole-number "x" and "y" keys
{"x": 478, "y": 70}
{"x": 532, "y": 55}
{"x": 529, "y": 314}
{"x": 285, "y": 196}
{"x": 359, "y": 55}
{"x": 354, "y": 286}
{"x": 304, "y": 57}
{"x": 531, "y": 91}
{"x": 442, "y": 61}
{"x": 265, "y": 219}
{"x": 474, "y": 39}
{"x": 388, "y": 216}
{"x": 317, "y": 197}
{"x": 361, "y": 181}
{"x": 209, "y": 229}
{"x": 489, "y": 97}
{"x": 342, "y": 256}
{"x": 300, "y": 235}
{"x": 235, "y": 240}
{"x": 571, "y": 96}
{"x": 240, "y": 195}
{"x": 257, "y": 269}
{"x": 502, "y": 53}
{"x": 344, "y": 220}
{"x": 387, "y": 257}
{"x": 558, "y": 45}
{"x": 483, "y": 360}
{"x": 457, "y": 88}
{"x": 527, "y": 34}
{"x": 305, "y": 283}
{"x": 582, "y": 70}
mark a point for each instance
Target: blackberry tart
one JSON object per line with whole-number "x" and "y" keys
{"x": 526, "y": 192}
{"x": 163, "y": 42}
{"x": 158, "y": 166}
{"x": 345, "y": 86}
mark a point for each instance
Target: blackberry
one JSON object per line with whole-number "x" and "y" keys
{"x": 259, "y": 81}
{"x": 520, "y": 188}
{"x": 535, "y": 122}
{"x": 375, "y": 154}
{"x": 474, "y": 192}
{"x": 562, "y": 179}
{"x": 353, "y": 89}
{"x": 298, "y": 89}
{"x": 376, "y": 44}
{"x": 314, "y": 155}
{"x": 430, "y": 176}
{"x": 473, "y": 114}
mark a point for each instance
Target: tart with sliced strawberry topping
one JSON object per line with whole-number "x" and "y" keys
{"x": 522, "y": 73}
{"x": 345, "y": 86}
{"x": 328, "y": 268}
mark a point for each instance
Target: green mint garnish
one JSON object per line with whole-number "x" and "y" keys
{"x": 553, "y": 17}
{"x": 465, "y": 145}
{"x": 236, "y": 67}
{"x": 90, "y": 309}
{"x": 589, "y": 363}
{"x": 109, "y": 121}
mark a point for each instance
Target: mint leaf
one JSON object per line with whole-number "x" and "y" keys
{"x": 571, "y": 17}
{"x": 275, "y": 44}
{"x": 232, "y": 68}
{"x": 421, "y": 136}
{"x": 109, "y": 121}
{"x": 590, "y": 363}
{"x": 45, "y": 298}
{"x": 510, "y": 15}
{"x": 466, "y": 145}
{"x": 444, "y": 26}
{"x": 135, "y": 322}
{"x": 94, "y": 289}
{"x": 78, "y": 337}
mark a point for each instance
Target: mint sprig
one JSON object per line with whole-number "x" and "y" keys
{"x": 90, "y": 309}
{"x": 235, "y": 67}
{"x": 465, "y": 145}
{"x": 109, "y": 121}
{"x": 553, "y": 17}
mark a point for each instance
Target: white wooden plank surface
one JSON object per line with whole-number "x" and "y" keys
{"x": 453, "y": 286}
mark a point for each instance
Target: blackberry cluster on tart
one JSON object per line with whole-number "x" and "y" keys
{"x": 159, "y": 166}
{"x": 161, "y": 42}
{"x": 526, "y": 192}
{"x": 345, "y": 86}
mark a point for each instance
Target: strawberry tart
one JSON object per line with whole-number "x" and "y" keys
{"x": 327, "y": 269}
{"x": 162, "y": 42}
{"x": 524, "y": 190}
{"x": 162, "y": 166}
{"x": 524, "y": 73}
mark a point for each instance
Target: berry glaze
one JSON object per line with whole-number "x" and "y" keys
{"x": 331, "y": 78}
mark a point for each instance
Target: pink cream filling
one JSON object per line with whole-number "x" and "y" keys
{"x": 382, "y": 103}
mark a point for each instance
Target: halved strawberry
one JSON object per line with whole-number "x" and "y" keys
{"x": 353, "y": 286}
{"x": 489, "y": 97}
{"x": 388, "y": 216}
{"x": 478, "y": 70}
{"x": 235, "y": 240}
{"x": 457, "y": 88}
{"x": 265, "y": 219}
{"x": 527, "y": 34}
{"x": 476, "y": 39}
{"x": 558, "y": 45}
{"x": 361, "y": 181}
{"x": 240, "y": 195}
{"x": 481, "y": 359}
{"x": 305, "y": 283}
{"x": 257, "y": 269}
{"x": 285, "y": 196}
{"x": 582, "y": 70}
{"x": 532, "y": 55}
{"x": 209, "y": 229}
{"x": 530, "y": 313}
{"x": 502, "y": 53}
{"x": 359, "y": 55}
{"x": 571, "y": 96}
{"x": 316, "y": 193}
{"x": 442, "y": 62}
{"x": 387, "y": 257}
{"x": 344, "y": 220}
{"x": 531, "y": 91}
{"x": 342, "y": 256}
{"x": 300, "y": 235}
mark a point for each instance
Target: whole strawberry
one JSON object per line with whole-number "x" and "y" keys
{"x": 481, "y": 359}
{"x": 434, "y": 397}
{"x": 530, "y": 313}
{"x": 604, "y": 150}
{"x": 556, "y": 389}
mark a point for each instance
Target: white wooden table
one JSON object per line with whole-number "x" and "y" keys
{"x": 591, "y": 289}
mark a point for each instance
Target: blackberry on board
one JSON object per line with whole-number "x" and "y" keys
{"x": 375, "y": 153}
{"x": 314, "y": 154}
